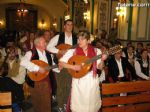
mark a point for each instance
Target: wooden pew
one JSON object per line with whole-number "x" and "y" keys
{"x": 5, "y": 101}
{"x": 137, "y": 100}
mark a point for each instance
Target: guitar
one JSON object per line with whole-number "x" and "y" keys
{"x": 37, "y": 76}
{"x": 64, "y": 47}
{"x": 87, "y": 62}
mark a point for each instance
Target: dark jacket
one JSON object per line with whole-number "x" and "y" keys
{"x": 8, "y": 85}
{"x": 113, "y": 69}
{"x": 144, "y": 70}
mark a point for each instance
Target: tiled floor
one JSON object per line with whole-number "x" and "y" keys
{"x": 28, "y": 106}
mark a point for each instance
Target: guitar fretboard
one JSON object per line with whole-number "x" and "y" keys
{"x": 93, "y": 59}
{"x": 111, "y": 51}
{"x": 51, "y": 67}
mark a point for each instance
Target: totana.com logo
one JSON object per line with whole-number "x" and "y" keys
{"x": 134, "y": 4}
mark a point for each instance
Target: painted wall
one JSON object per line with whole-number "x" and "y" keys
{"x": 96, "y": 8}
{"x": 143, "y": 24}
{"x": 43, "y": 16}
{"x": 103, "y": 15}
{"x": 134, "y": 21}
{"x": 2, "y": 17}
{"x": 53, "y": 7}
{"x": 140, "y": 21}
{"x": 47, "y": 9}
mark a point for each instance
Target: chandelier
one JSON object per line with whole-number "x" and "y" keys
{"x": 22, "y": 10}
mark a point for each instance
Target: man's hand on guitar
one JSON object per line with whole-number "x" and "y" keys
{"x": 60, "y": 66}
{"x": 76, "y": 67}
{"x": 102, "y": 64}
{"x": 42, "y": 70}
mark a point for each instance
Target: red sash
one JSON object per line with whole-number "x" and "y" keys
{"x": 90, "y": 53}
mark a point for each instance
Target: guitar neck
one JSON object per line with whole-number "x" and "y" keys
{"x": 54, "y": 66}
{"x": 51, "y": 67}
{"x": 93, "y": 59}
{"x": 111, "y": 51}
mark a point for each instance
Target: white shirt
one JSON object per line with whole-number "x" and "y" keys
{"x": 119, "y": 63}
{"x": 53, "y": 43}
{"x": 139, "y": 72}
{"x": 68, "y": 40}
{"x": 19, "y": 78}
{"x": 25, "y": 61}
{"x": 3, "y": 53}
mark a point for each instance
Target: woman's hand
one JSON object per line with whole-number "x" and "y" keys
{"x": 101, "y": 65}
{"x": 69, "y": 66}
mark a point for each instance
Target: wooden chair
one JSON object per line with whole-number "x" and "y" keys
{"x": 5, "y": 102}
{"x": 137, "y": 100}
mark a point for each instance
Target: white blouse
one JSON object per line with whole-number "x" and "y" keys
{"x": 139, "y": 72}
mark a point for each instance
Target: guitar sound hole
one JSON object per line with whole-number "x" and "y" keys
{"x": 73, "y": 63}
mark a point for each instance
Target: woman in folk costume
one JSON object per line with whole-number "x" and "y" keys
{"x": 85, "y": 92}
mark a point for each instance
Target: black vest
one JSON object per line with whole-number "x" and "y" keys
{"x": 35, "y": 56}
{"x": 61, "y": 39}
{"x": 145, "y": 70}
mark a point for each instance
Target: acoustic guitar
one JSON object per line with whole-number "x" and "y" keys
{"x": 87, "y": 62}
{"x": 37, "y": 76}
{"x": 64, "y": 47}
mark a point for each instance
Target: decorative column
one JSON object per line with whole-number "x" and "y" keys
{"x": 72, "y": 10}
{"x": 60, "y": 22}
{"x": 92, "y": 16}
{"x": 130, "y": 21}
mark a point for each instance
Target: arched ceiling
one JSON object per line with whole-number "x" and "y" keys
{"x": 55, "y": 8}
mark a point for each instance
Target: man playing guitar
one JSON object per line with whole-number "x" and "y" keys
{"x": 59, "y": 45}
{"x": 41, "y": 89}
